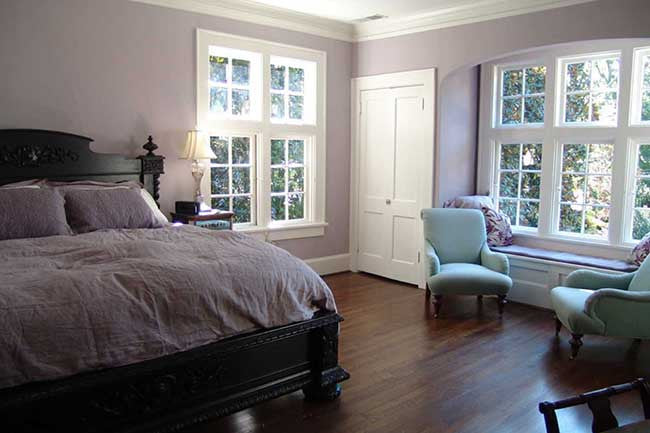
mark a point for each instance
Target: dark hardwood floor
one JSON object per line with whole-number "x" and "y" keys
{"x": 467, "y": 371}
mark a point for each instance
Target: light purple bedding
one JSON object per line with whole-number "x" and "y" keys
{"x": 70, "y": 304}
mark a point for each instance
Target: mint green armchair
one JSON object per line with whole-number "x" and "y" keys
{"x": 597, "y": 303}
{"x": 458, "y": 258}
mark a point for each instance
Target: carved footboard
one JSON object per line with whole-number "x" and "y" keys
{"x": 169, "y": 393}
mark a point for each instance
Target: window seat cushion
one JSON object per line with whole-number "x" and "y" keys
{"x": 562, "y": 257}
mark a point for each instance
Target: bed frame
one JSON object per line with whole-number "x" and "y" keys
{"x": 169, "y": 393}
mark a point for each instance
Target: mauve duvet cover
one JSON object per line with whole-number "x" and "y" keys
{"x": 70, "y": 304}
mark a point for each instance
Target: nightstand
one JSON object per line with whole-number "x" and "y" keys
{"x": 213, "y": 220}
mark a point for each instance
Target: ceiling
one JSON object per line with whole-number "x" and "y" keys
{"x": 354, "y": 10}
{"x": 344, "y": 19}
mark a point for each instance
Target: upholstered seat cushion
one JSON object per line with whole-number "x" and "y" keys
{"x": 569, "y": 306}
{"x": 468, "y": 279}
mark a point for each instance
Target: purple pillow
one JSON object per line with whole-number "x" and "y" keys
{"x": 497, "y": 226}
{"x": 31, "y": 213}
{"x": 120, "y": 208}
{"x": 640, "y": 251}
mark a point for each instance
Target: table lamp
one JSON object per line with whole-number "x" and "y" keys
{"x": 198, "y": 149}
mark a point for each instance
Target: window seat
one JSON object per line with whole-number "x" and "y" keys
{"x": 563, "y": 257}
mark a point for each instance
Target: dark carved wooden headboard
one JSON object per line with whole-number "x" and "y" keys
{"x": 38, "y": 154}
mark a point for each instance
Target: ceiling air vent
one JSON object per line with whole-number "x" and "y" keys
{"x": 374, "y": 17}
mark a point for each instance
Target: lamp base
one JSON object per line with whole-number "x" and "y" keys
{"x": 198, "y": 169}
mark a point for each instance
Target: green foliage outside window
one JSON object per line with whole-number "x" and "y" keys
{"x": 523, "y": 95}
{"x": 230, "y": 176}
{"x": 520, "y": 168}
{"x": 287, "y": 179}
{"x": 585, "y": 189}
{"x": 592, "y": 91}
{"x": 230, "y": 84}
{"x": 641, "y": 217}
{"x": 645, "y": 94}
{"x": 287, "y": 87}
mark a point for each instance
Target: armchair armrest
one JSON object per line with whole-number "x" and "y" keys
{"x": 497, "y": 262}
{"x": 624, "y": 313}
{"x": 432, "y": 260}
{"x": 588, "y": 279}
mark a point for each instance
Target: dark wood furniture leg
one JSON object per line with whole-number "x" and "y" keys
{"x": 576, "y": 342}
{"x": 437, "y": 303}
{"x": 479, "y": 298}
{"x": 501, "y": 300}
{"x": 326, "y": 374}
{"x": 558, "y": 326}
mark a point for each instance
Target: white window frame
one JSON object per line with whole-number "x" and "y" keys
{"x": 206, "y": 182}
{"x": 498, "y": 113}
{"x": 558, "y": 200}
{"x": 254, "y": 84}
{"x": 308, "y": 93}
{"x": 625, "y": 135}
{"x": 636, "y": 106}
{"x": 562, "y": 63}
{"x": 630, "y": 197}
{"x": 496, "y": 187}
{"x": 307, "y": 196}
{"x": 264, "y": 129}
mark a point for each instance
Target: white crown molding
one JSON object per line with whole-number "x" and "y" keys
{"x": 242, "y": 10}
{"x": 478, "y": 11}
{"x": 248, "y": 11}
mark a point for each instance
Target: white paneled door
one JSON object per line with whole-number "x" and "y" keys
{"x": 394, "y": 156}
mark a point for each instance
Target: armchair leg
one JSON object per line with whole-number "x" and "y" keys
{"x": 576, "y": 342}
{"x": 437, "y": 303}
{"x": 558, "y": 326}
{"x": 501, "y": 302}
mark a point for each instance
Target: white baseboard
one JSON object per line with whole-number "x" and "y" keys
{"x": 330, "y": 264}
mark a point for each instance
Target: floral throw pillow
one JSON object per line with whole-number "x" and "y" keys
{"x": 640, "y": 251}
{"x": 498, "y": 229}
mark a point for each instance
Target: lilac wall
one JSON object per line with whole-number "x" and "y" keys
{"x": 118, "y": 71}
{"x": 458, "y": 99}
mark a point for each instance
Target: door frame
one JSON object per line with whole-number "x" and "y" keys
{"x": 427, "y": 79}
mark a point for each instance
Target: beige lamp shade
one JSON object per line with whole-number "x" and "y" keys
{"x": 197, "y": 147}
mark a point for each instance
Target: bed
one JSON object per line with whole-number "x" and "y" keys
{"x": 149, "y": 387}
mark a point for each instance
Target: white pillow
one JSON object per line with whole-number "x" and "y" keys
{"x": 157, "y": 214}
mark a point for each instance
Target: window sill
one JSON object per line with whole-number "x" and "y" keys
{"x": 279, "y": 233}
{"x": 573, "y": 241}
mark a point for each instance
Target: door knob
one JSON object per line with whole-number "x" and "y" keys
{"x": 387, "y": 201}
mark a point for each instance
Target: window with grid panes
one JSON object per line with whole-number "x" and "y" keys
{"x": 519, "y": 174}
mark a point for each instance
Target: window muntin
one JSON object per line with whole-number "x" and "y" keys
{"x": 641, "y": 214}
{"x": 233, "y": 83}
{"x": 590, "y": 91}
{"x": 288, "y": 174}
{"x": 522, "y": 96}
{"x": 292, "y": 90}
{"x": 585, "y": 188}
{"x": 231, "y": 176}
{"x": 518, "y": 192}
